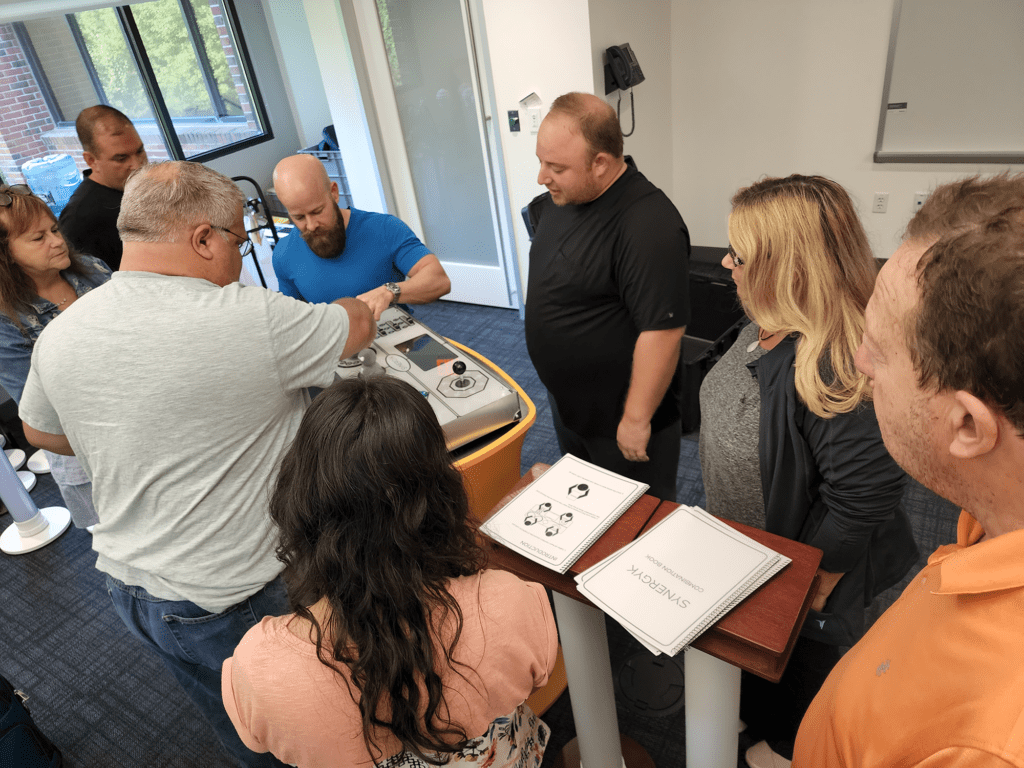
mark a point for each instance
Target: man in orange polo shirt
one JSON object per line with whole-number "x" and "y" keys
{"x": 939, "y": 678}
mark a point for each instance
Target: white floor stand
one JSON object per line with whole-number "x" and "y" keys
{"x": 33, "y": 528}
{"x": 712, "y": 711}
{"x": 589, "y": 672}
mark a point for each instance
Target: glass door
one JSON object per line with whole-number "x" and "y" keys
{"x": 436, "y": 86}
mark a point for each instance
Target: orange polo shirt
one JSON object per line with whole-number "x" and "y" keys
{"x": 939, "y": 679}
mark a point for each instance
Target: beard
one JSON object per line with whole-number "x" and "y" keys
{"x": 330, "y": 242}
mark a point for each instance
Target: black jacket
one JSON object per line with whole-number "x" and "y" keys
{"x": 831, "y": 483}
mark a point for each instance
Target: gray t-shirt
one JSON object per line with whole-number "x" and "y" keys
{"x": 730, "y": 417}
{"x": 179, "y": 398}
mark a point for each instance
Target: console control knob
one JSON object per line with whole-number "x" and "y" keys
{"x": 459, "y": 367}
{"x": 370, "y": 367}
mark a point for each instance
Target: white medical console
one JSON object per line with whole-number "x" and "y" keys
{"x": 471, "y": 399}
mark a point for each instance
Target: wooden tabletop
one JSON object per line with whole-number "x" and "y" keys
{"x": 757, "y": 636}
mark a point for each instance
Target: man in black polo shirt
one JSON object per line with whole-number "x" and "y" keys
{"x": 112, "y": 150}
{"x": 608, "y": 297}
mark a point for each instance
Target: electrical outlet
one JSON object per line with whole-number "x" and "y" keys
{"x": 533, "y": 118}
{"x": 919, "y": 198}
{"x": 881, "y": 202}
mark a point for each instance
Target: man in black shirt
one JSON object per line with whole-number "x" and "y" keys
{"x": 608, "y": 297}
{"x": 112, "y": 150}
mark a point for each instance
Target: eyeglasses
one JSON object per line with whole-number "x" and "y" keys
{"x": 736, "y": 260}
{"x": 245, "y": 247}
{"x": 6, "y": 194}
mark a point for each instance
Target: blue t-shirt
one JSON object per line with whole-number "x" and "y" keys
{"x": 379, "y": 248}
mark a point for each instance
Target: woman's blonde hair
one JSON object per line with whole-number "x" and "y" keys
{"x": 808, "y": 269}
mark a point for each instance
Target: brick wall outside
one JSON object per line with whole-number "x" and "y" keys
{"x": 24, "y": 116}
{"x": 28, "y": 130}
{"x": 233, "y": 66}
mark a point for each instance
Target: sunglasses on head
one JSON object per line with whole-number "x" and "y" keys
{"x": 6, "y": 194}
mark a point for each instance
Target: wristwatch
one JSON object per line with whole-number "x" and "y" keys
{"x": 395, "y": 289}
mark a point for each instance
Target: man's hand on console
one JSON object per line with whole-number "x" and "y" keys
{"x": 377, "y": 300}
{"x": 632, "y": 437}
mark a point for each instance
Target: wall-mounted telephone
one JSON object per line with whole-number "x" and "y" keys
{"x": 622, "y": 70}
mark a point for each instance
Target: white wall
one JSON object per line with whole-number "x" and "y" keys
{"x": 338, "y": 56}
{"x": 788, "y": 86}
{"x": 304, "y": 88}
{"x": 536, "y": 46}
{"x": 646, "y": 26}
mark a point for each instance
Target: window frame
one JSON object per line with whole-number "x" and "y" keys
{"x": 25, "y": 41}
{"x": 161, "y": 115}
{"x": 152, "y": 87}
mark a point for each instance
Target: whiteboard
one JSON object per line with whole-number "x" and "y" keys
{"x": 954, "y": 83}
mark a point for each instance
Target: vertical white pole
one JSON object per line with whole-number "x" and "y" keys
{"x": 14, "y": 495}
{"x": 33, "y": 528}
{"x": 712, "y": 711}
{"x": 588, "y": 670}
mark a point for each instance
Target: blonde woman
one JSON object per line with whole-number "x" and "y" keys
{"x": 789, "y": 440}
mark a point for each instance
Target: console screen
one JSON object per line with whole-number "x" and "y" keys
{"x": 426, "y": 352}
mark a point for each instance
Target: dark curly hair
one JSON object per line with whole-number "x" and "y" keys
{"x": 373, "y": 522}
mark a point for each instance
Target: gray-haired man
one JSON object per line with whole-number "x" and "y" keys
{"x": 179, "y": 390}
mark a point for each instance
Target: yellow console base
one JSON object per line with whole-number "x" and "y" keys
{"x": 490, "y": 472}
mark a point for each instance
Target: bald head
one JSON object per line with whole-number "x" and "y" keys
{"x": 311, "y": 198}
{"x": 300, "y": 176}
{"x": 594, "y": 119}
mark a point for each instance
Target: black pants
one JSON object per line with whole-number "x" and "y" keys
{"x": 773, "y": 711}
{"x": 663, "y": 450}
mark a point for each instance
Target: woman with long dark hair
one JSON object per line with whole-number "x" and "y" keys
{"x": 401, "y": 650}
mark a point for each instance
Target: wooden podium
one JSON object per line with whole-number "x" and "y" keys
{"x": 757, "y": 636}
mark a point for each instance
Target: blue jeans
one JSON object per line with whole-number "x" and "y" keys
{"x": 194, "y": 643}
{"x": 662, "y": 449}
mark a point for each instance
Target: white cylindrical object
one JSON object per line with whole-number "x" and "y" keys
{"x": 47, "y": 525}
{"x": 588, "y": 670}
{"x": 38, "y": 462}
{"x": 16, "y": 456}
{"x": 712, "y": 711}
{"x": 14, "y": 495}
{"x": 32, "y": 529}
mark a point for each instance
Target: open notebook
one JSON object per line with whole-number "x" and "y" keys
{"x": 556, "y": 518}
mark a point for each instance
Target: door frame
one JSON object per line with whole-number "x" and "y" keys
{"x": 491, "y": 285}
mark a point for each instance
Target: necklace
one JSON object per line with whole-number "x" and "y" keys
{"x": 753, "y": 345}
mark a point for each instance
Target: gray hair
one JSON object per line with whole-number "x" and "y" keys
{"x": 163, "y": 199}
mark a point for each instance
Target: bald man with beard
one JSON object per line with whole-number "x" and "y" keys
{"x": 347, "y": 252}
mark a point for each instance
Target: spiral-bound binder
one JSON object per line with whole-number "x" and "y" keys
{"x": 556, "y": 518}
{"x": 679, "y": 578}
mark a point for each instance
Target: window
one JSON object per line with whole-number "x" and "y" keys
{"x": 177, "y": 68}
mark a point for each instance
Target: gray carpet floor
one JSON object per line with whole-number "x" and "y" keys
{"x": 109, "y": 703}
